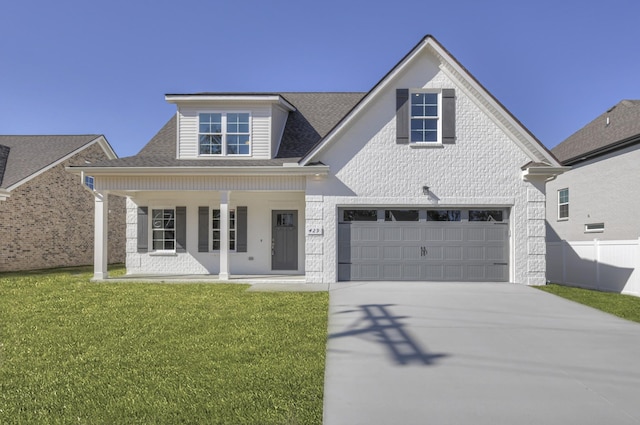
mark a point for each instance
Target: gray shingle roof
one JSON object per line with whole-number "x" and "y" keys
{"x": 617, "y": 125}
{"x": 30, "y": 154}
{"x": 315, "y": 115}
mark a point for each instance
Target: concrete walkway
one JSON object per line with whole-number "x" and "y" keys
{"x": 476, "y": 353}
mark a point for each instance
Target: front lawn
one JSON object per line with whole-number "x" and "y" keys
{"x": 625, "y": 306}
{"x": 72, "y": 351}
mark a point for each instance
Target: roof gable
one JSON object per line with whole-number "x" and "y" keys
{"x": 28, "y": 156}
{"x": 456, "y": 72}
{"x": 613, "y": 128}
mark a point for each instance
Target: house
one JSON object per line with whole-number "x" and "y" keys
{"x": 424, "y": 177}
{"x": 592, "y": 225}
{"x": 46, "y": 214}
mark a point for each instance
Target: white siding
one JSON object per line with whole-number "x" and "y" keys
{"x": 188, "y": 129}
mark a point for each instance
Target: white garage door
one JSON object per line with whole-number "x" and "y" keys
{"x": 423, "y": 244}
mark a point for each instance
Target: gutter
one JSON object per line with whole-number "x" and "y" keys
{"x": 603, "y": 150}
{"x": 287, "y": 170}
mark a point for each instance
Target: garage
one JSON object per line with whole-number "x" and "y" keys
{"x": 423, "y": 244}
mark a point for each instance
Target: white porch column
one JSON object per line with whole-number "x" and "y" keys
{"x": 224, "y": 235}
{"x": 101, "y": 231}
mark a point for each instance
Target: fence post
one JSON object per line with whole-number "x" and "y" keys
{"x": 563, "y": 254}
{"x": 596, "y": 248}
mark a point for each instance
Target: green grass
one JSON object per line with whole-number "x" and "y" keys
{"x": 77, "y": 352}
{"x": 625, "y": 306}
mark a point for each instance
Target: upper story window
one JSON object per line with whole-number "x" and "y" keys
{"x": 563, "y": 204}
{"x": 224, "y": 133}
{"x": 425, "y": 117}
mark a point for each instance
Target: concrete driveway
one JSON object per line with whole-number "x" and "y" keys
{"x": 476, "y": 353}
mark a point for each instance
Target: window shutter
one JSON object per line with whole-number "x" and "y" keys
{"x": 241, "y": 229}
{"x": 143, "y": 229}
{"x": 402, "y": 116}
{"x": 448, "y": 115}
{"x": 181, "y": 229}
{"x": 203, "y": 229}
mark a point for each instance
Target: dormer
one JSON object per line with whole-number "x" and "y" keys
{"x": 229, "y": 125}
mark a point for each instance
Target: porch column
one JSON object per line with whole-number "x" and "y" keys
{"x": 224, "y": 235}
{"x": 101, "y": 231}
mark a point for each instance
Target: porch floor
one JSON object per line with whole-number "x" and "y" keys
{"x": 295, "y": 283}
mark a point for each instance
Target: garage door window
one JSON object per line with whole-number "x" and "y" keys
{"x": 360, "y": 215}
{"x": 401, "y": 215}
{"x": 443, "y": 215}
{"x": 485, "y": 215}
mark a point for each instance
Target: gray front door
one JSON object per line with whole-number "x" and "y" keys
{"x": 284, "y": 240}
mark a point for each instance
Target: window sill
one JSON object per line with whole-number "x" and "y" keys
{"x": 163, "y": 254}
{"x": 563, "y": 219}
{"x": 421, "y": 145}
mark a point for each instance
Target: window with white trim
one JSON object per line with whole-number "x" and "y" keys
{"x": 89, "y": 182}
{"x": 224, "y": 134}
{"x": 215, "y": 237}
{"x": 594, "y": 228}
{"x": 425, "y": 117}
{"x": 563, "y": 204}
{"x": 163, "y": 227}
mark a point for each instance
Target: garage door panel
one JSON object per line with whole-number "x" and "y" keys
{"x": 410, "y": 253}
{"x": 433, "y": 234}
{"x": 453, "y": 234}
{"x": 453, "y": 272}
{"x": 411, "y": 234}
{"x": 392, "y": 253}
{"x": 369, "y": 253}
{"x": 392, "y": 234}
{"x": 369, "y": 234}
{"x": 391, "y": 271}
{"x": 452, "y": 253}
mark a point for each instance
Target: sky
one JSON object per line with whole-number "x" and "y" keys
{"x": 103, "y": 67}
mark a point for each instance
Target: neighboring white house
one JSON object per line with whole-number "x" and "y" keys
{"x": 425, "y": 177}
{"x": 593, "y": 227}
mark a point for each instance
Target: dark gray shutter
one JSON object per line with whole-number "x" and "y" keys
{"x": 181, "y": 229}
{"x": 203, "y": 229}
{"x": 402, "y": 116}
{"x": 448, "y": 115}
{"x": 241, "y": 231}
{"x": 143, "y": 229}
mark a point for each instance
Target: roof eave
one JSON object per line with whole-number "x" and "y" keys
{"x": 287, "y": 170}
{"x": 603, "y": 150}
{"x": 543, "y": 172}
{"x": 222, "y": 98}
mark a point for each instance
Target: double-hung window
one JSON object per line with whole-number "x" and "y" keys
{"x": 216, "y": 230}
{"x": 224, "y": 133}
{"x": 563, "y": 204}
{"x": 425, "y": 117}
{"x": 163, "y": 226}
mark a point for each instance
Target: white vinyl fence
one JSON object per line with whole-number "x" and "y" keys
{"x": 612, "y": 266}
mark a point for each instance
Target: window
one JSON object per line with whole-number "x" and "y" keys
{"x": 216, "y": 230}
{"x": 401, "y": 215}
{"x": 425, "y": 117}
{"x": 163, "y": 226}
{"x": 443, "y": 215}
{"x": 485, "y": 215}
{"x": 89, "y": 182}
{"x": 360, "y": 215}
{"x": 224, "y": 133}
{"x": 594, "y": 228}
{"x": 563, "y": 204}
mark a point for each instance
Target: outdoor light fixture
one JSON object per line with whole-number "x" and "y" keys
{"x": 425, "y": 190}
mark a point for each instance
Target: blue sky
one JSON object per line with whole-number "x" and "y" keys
{"x": 81, "y": 66}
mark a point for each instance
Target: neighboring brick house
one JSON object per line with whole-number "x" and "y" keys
{"x": 46, "y": 213}
{"x": 425, "y": 177}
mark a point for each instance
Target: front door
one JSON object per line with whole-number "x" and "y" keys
{"x": 284, "y": 240}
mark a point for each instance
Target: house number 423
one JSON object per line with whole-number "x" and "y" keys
{"x": 314, "y": 230}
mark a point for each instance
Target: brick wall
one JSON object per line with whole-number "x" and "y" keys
{"x": 48, "y": 221}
